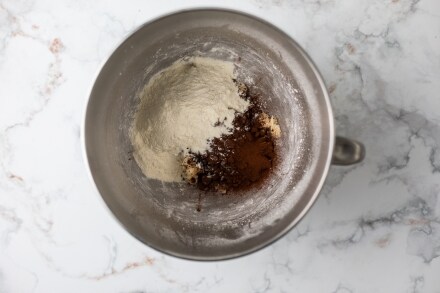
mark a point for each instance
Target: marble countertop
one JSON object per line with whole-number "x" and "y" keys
{"x": 375, "y": 227}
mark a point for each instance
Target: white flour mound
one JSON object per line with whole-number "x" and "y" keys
{"x": 178, "y": 111}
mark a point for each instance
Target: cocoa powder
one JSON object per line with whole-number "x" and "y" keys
{"x": 241, "y": 159}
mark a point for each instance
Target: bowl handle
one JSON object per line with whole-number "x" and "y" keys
{"x": 347, "y": 152}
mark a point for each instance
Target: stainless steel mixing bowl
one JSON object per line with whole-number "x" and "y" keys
{"x": 163, "y": 215}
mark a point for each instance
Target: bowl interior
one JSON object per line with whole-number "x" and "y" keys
{"x": 164, "y": 215}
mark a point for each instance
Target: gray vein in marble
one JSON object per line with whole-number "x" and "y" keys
{"x": 301, "y": 231}
{"x": 352, "y": 239}
{"x": 147, "y": 261}
{"x": 53, "y": 80}
{"x": 54, "y": 75}
{"x": 112, "y": 252}
{"x": 412, "y": 6}
{"x": 395, "y": 162}
{"x": 11, "y": 217}
{"x": 283, "y": 265}
{"x": 14, "y": 26}
{"x": 265, "y": 286}
{"x": 417, "y": 284}
{"x": 342, "y": 289}
{"x": 420, "y": 127}
{"x": 424, "y": 241}
{"x": 334, "y": 179}
{"x": 417, "y": 126}
{"x": 35, "y": 277}
{"x": 112, "y": 27}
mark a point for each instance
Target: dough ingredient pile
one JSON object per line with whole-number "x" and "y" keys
{"x": 193, "y": 112}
